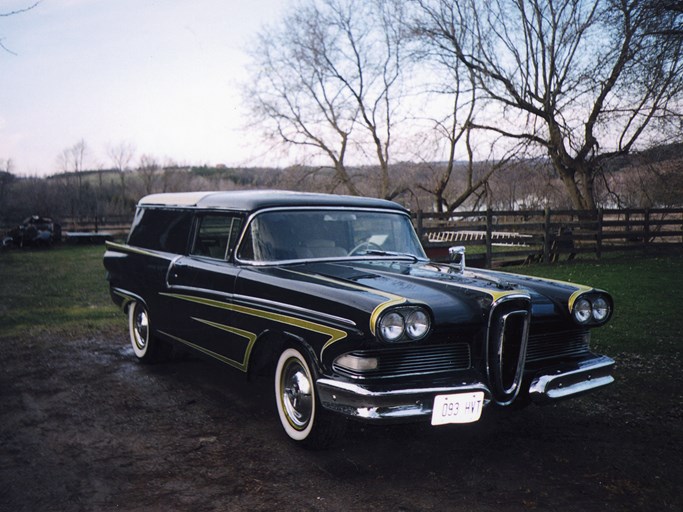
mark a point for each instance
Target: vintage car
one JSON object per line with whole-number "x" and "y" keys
{"x": 334, "y": 298}
{"x": 34, "y": 231}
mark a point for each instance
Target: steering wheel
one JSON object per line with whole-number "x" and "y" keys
{"x": 365, "y": 247}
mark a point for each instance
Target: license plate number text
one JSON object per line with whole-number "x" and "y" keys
{"x": 457, "y": 408}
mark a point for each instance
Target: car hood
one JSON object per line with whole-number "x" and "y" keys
{"x": 454, "y": 296}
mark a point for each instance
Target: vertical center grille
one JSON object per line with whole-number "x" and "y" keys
{"x": 506, "y": 346}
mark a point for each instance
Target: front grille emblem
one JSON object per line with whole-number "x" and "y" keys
{"x": 506, "y": 347}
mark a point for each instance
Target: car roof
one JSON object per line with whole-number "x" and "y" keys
{"x": 252, "y": 200}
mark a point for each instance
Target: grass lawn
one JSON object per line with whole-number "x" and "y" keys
{"x": 59, "y": 291}
{"x": 647, "y": 298}
{"x": 63, "y": 291}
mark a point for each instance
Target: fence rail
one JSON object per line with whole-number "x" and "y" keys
{"x": 506, "y": 237}
{"x": 503, "y": 237}
{"x": 114, "y": 225}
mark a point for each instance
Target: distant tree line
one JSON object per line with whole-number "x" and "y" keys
{"x": 649, "y": 179}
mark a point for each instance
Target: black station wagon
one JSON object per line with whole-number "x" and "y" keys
{"x": 335, "y": 298}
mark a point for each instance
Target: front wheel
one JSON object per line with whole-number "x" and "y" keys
{"x": 301, "y": 415}
{"x": 146, "y": 347}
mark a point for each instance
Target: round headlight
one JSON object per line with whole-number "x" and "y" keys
{"x": 582, "y": 311}
{"x": 391, "y": 327}
{"x": 417, "y": 324}
{"x": 600, "y": 309}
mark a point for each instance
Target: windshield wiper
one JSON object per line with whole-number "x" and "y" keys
{"x": 376, "y": 252}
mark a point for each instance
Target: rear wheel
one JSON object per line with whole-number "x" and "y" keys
{"x": 146, "y": 347}
{"x": 302, "y": 417}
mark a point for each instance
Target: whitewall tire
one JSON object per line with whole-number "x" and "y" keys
{"x": 145, "y": 345}
{"x": 300, "y": 412}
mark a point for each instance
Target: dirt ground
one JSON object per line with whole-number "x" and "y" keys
{"x": 83, "y": 426}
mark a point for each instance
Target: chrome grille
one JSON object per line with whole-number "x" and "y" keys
{"x": 506, "y": 346}
{"x": 557, "y": 344}
{"x": 402, "y": 362}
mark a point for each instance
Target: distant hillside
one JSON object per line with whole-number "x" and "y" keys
{"x": 668, "y": 153}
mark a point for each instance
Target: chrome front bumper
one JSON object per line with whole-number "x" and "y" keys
{"x": 572, "y": 379}
{"x": 363, "y": 402}
{"x": 371, "y": 403}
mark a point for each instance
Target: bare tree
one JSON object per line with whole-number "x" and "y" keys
{"x": 6, "y": 165}
{"x": 673, "y": 8}
{"x": 148, "y": 170}
{"x": 12, "y": 13}
{"x": 581, "y": 80}
{"x": 72, "y": 161}
{"x": 121, "y": 155}
{"x": 650, "y": 179}
{"x": 6, "y": 178}
{"x": 327, "y": 81}
{"x": 449, "y": 132}
{"x": 176, "y": 177}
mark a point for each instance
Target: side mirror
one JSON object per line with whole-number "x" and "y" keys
{"x": 456, "y": 255}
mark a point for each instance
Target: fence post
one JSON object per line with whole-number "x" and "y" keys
{"x": 646, "y": 230}
{"x": 418, "y": 221}
{"x": 546, "y": 237}
{"x": 598, "y": 249}
{"x": 489, "y": 237}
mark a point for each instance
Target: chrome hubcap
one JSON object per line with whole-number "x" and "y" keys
{"x": 141, "y": 327}
{"x": 297, "y": 397}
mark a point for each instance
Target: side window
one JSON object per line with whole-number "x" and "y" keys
{"x": 161, "y": 230}
{"x": 216, "y": 235}
{"x": 247, "y": 246}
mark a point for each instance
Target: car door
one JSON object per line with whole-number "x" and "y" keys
{"x": 201, "y": 286}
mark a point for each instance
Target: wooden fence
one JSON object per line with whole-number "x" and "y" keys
{"x": 496, "y": 238}
{"x": 114, "y": 226}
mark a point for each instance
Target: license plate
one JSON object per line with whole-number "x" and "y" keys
{"x": 457, "y": 408}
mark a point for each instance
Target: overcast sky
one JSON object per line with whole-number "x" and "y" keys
{"x": 163, "y": 75}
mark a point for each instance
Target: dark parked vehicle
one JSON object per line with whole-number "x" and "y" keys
{"x": 335, "y": 298}
{"x": 34, "y": 231}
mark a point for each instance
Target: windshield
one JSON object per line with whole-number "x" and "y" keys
{"x": 287, "y": 235}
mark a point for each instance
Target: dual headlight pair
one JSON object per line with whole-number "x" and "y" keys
{"x": 595, "y": 310}
{"x": 408, "y": 323}
{"x": 404, "y": 324}
{"x": 413, "y": 323}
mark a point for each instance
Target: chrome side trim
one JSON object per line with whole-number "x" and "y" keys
{"x": 512, "y": 295}
{"x": 127, "y": 297}
{"x": 303, "y": 261}
{"x": 170, "y": 268}
{"x": 125, "y": 248}
{"x": 570, "y": 380}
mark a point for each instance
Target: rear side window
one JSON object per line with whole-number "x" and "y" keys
{"x": 216, "y": 235}
{"x": 161, "y": 230}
